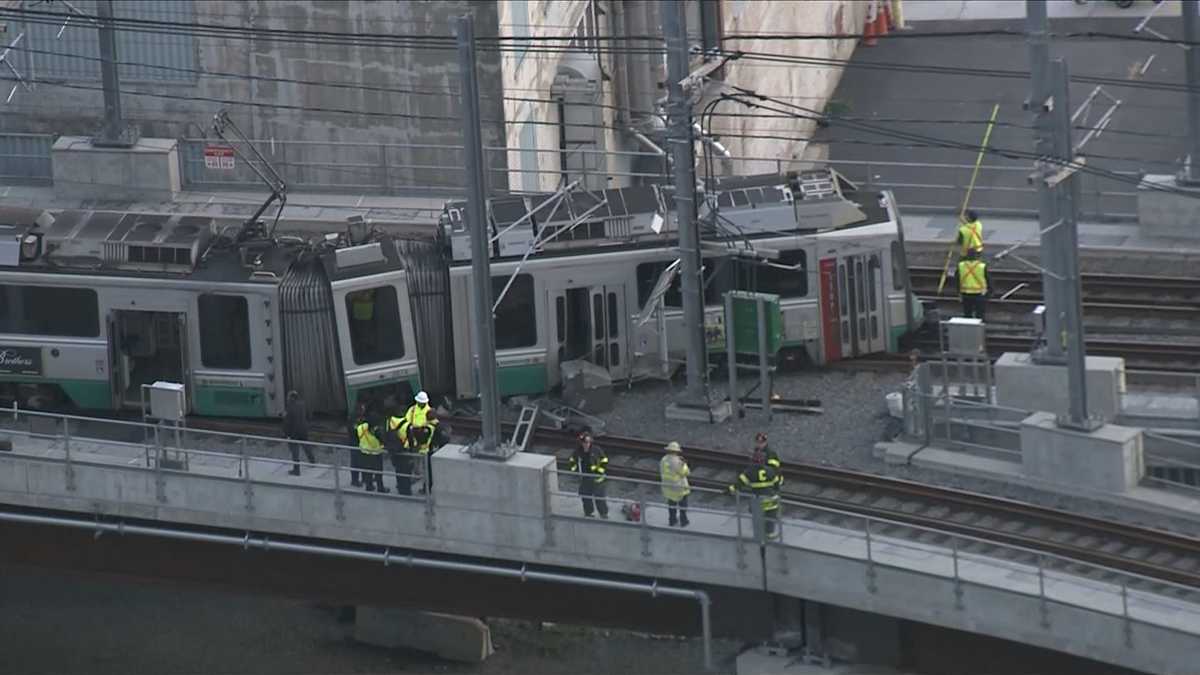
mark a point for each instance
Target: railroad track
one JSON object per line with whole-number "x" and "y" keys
{"x": 995, "y": 524}
{"x": 1126, "y": 306}
{"x": 1169, "y": 294}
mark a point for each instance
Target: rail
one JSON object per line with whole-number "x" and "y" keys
{"x": 882, "y": 542}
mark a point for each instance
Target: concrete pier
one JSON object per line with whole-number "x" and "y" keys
{"x": 1023, "y": 384}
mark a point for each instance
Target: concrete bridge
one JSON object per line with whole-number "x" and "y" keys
{"x": 513, "y": 523}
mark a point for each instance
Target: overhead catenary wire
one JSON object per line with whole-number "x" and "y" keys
{"x": 548, "y": 101}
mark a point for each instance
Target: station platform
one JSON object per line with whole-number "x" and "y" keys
{"x": 1117, "y": 248}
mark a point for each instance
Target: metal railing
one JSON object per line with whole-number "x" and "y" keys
{"x": 393, "y": 168}
{"x": 25, "y": 159}
{"x": 740, "y": 521}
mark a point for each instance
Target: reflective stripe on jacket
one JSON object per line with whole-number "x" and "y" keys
{"x": 972, "y": 277}
{"x": 763, "y": 481}
{"x": 971, "y": 236}
{"x": 674, "y": 472}
{"x": 367, "y": 442}
{"x": 594, "y": 463}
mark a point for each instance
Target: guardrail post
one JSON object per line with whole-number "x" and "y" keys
{"x": 870, "y": 559}
{"x": 645, "y": 526}
{"x": 958, "y": 589}
{"x": 247, "y": 486}
{"x": 67, "y": 449}
{"x": 160, "y": 481}
{"x": 547, "y": 509}
{"x": 430, "y": 522}
{"x": 783, "y": 559}
{"x": 339, "y": 499}
{"x": 737, "y": 516}
{"x": 1045, "y": 608}
{"x": 1125, "y": 615}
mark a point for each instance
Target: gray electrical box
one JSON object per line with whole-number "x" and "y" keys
{"x": 965, "y": 336}
{"x": 167, "y": 401}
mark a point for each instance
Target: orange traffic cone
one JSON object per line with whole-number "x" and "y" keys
{"x": 870, "y": 26}
{"x": 883, "y": 20}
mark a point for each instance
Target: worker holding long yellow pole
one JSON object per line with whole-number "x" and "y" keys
{"x": 973, "y": 238}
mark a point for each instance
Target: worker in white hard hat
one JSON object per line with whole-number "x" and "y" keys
{"x": 673, "y": 470}
{"x": 420, "y": 414}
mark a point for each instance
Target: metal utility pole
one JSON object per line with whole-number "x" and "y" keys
{"x": 1058, "y": 190}
{"x": 114, "y": 133}
{"x": 1191, "y": 33}
{"x": 485, "y": 331}
{"x": 1041, "y": 103}
{"x": 679, "y": 138}
{"x": 1066, "y": 190}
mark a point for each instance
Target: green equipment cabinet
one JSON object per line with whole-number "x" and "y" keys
{"x": 742, "y": 322}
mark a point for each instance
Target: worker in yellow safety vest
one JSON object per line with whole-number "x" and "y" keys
{"x": 970, "y": 235}
{"x": 973, "y": 285}
{"x": 419, "y": 438}
{"x": 371, "y": 456}
{"x": 673, "y": 470}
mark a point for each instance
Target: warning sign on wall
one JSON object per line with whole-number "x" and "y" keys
{"x": 218, "y": 157}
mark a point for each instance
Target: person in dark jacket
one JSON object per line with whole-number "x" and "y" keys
{"x": 592, "y": 465}
{"x": 295, "y": 428}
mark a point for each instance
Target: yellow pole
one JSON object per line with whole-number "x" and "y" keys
{"x": 970, "y": 188}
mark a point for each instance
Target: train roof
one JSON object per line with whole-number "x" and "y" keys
{"x": 733, "y": 208}
{"x": 191, "y": 247}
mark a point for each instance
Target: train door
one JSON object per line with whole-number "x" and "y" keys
{"x": 831, "y": 315}
{"x": 378, "y": 353}
{"x": 146, "y": 347}
{"x": 590, "y": 325}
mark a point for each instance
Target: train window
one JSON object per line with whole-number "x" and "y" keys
{"x": 613, "y": 325}
{"x": 897, "y": 266}
{"x": 376, "y": 332}
{"x": 598, "y": 317}
{"x": 49, "y": 310}
{"x": 224, "y": 331}
{"x": 842, "y": 294}
{"x": 560, "y": 312}
{"x": 647, "y": 275}
{"x": 516, "y": 317}
{"x": 719, "y": 277}
{"x": 785, "y": 283}
{"x": 873, "y": 280}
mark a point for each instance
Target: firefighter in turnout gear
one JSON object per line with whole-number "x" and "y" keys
{"x": 371, "y": 450}
{"x": 973, "y": 285}
{"x": 592, "y": 465}
{"x": 970, "y": 235}
{"x": 762, "y": 481}
{"x": 673, "y": 471}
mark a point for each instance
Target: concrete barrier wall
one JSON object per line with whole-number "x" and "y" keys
{"x": 820, "y": 563}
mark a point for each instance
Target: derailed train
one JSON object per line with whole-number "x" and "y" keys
{"x": 94, "y": 304}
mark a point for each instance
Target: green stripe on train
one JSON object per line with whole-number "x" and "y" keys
{"x": 530, "y": 379}
{"x": 85, "y": 394}
{"x": 229, "y": 401}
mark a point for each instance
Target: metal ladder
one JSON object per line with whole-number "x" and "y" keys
{"x": 525, "y": 426}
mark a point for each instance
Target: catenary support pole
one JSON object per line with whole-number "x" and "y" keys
{"x": 1191, "y": 33}
{"x": 114, "y": 132}
{"x": 679, "y": 138}
{"x": 484, "y": 329}
{"x": 1066, "y": 237}
{"x": 1041, "y": 103}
